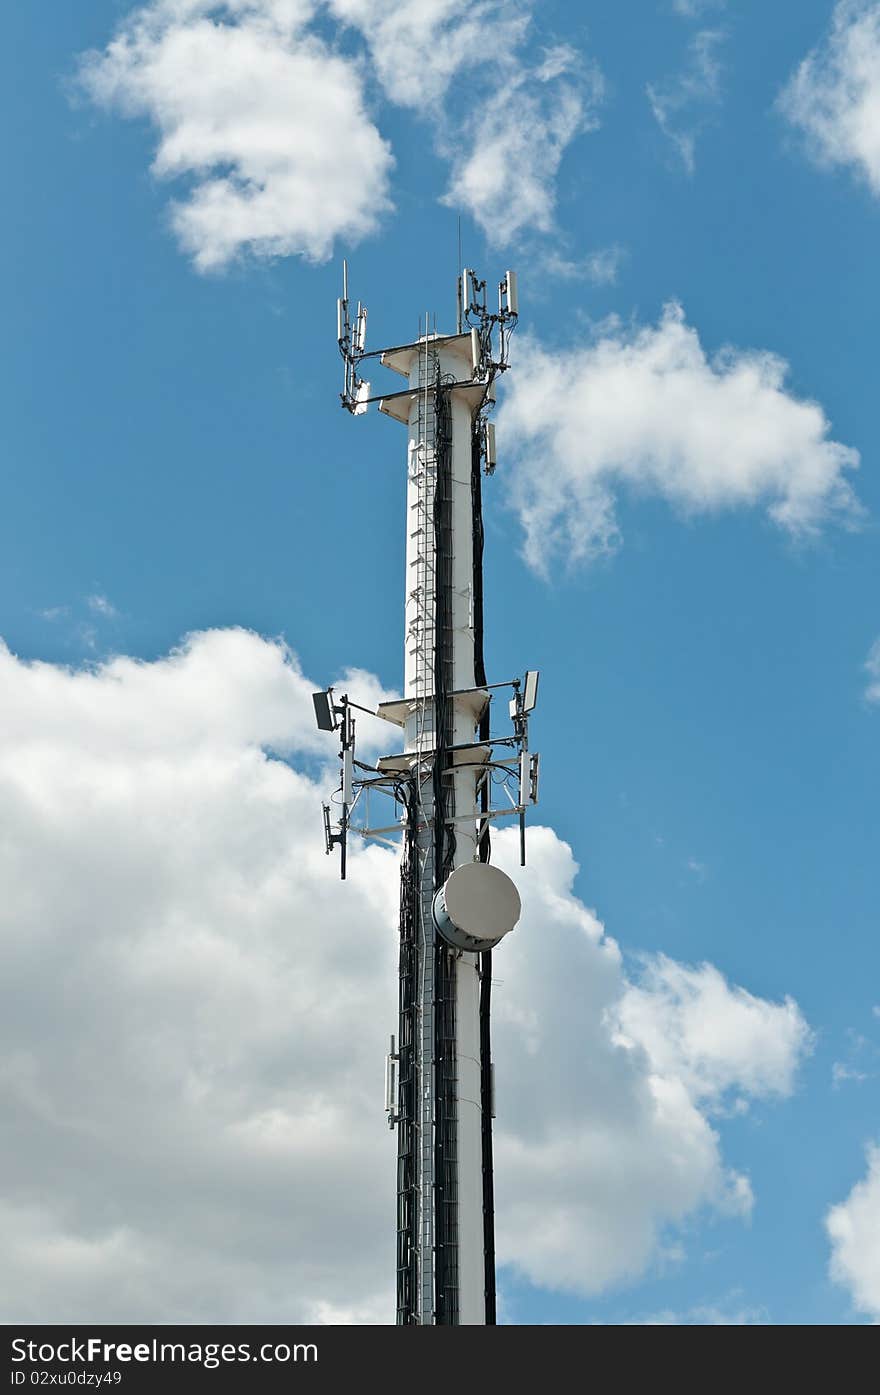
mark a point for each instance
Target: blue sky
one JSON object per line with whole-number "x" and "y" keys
{"x": 174, "y": 446}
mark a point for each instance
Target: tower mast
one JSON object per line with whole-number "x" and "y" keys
{"x": 454, "y": 906}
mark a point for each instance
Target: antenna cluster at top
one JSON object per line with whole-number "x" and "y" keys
{"x": 474, "y": 314}
{"x": 351, "y": 336}
{"x": 489, "y": 355}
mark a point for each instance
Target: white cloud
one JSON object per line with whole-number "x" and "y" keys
{"x": 523, "y": 114}
{"x": 195, "y": 1013}
{"x": 506, "y": 159}
{"x": 646, "y": 409}
{"x": 601, "y": 1141}
{"x": 601, "y": 267}
{"x": 419, "y": 46}
{"x": 872, "y": 668}
{"x": 854, "y": 1230}
{"x": 677, "y": 103}
{"x": 266, "y": 122}
{"x": 715, "y": 1038}
{"x": 834, "y": 96}
{"x": 100, "y": 605}
{"x": 505, "y": 155}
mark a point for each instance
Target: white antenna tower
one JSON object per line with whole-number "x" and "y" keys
{"x": 454, "y": 906}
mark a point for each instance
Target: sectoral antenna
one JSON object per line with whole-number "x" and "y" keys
{"x": 476, "y": 316}
{"x": 522, "y": 704}
{"x": 487, "y": 442}
{"x": 351, "y": 336}
{"x": 336, "y": 716}
{"x": 387, "y": 777}
{"x": 392, "y": 1061}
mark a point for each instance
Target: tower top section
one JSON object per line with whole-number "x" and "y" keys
{"x": 480, "y": 346}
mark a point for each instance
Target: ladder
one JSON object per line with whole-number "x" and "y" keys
{"x": 421, "y": 644}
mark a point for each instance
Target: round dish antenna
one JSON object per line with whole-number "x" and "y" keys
{"x": 476, "y": 907}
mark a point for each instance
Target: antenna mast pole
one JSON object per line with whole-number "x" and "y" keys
{"x": 454, "y": 906}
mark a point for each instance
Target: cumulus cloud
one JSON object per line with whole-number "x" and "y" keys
{"x": 506, "y": 160}
{"x": 264, "y": 120}
{"x": 715, "y": 1038}
{"x": 194, "y": 1017}
{"x": 854, "y": 1231}
{"x": 678, "y": 103}
{"x": 505, "y": 155}
{"x": 602, "y": 1143}
{"x": 195, "y": 1013}
{"x": 646, "y": 409}
{"x": 419, "y": 46}
{"x": 834, "y": 96}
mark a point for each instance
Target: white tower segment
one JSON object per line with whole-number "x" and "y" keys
{"x": 454, "y": 908}
{"x": 439, "y": 634}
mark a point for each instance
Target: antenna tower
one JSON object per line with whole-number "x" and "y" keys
{"x": 452, "y": 778}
